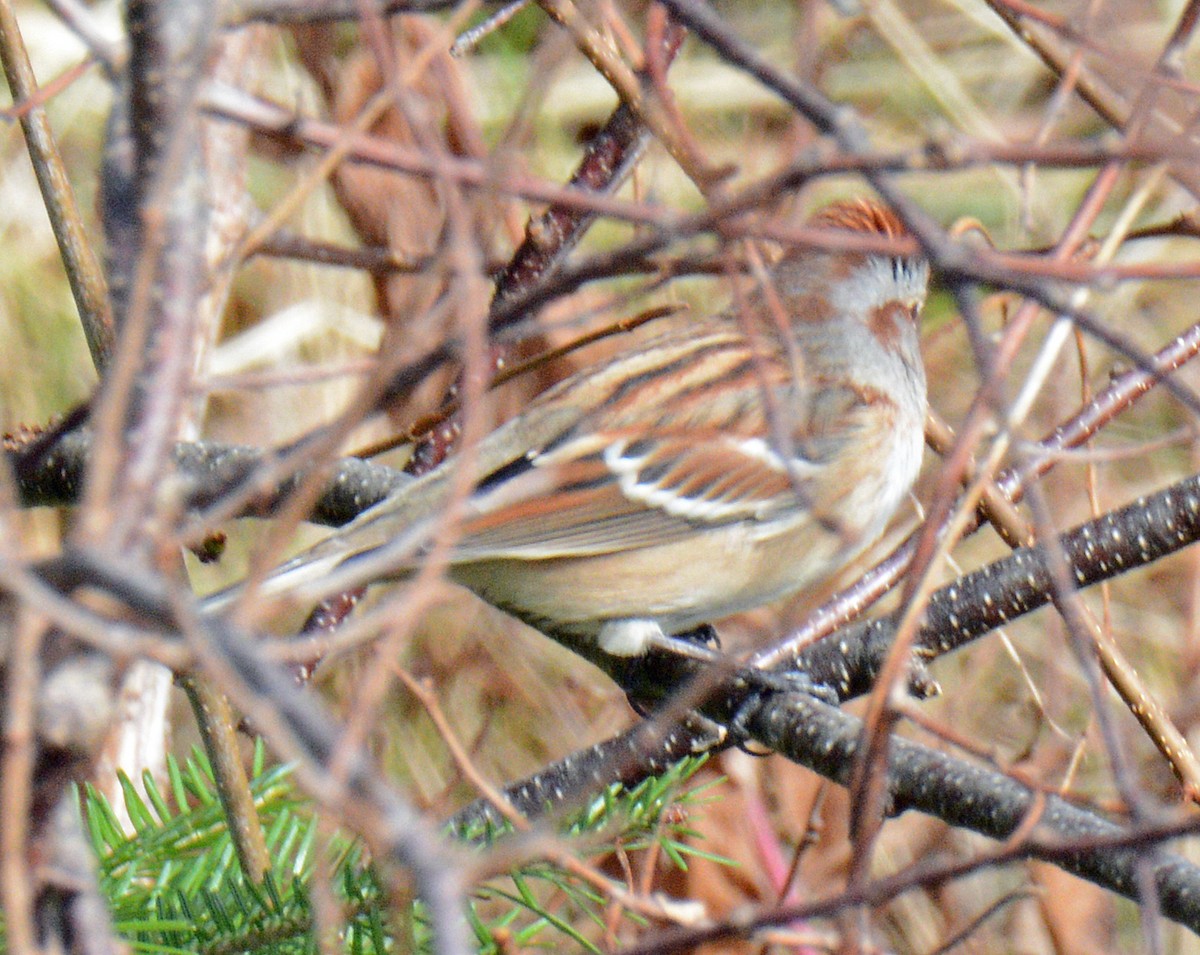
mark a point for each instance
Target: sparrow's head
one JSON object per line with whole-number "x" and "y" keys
{"x": 849, "y": 292}
{"x": 872, "y": 281}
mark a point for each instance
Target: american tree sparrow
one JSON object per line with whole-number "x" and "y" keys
{"x": 712, "y": 470}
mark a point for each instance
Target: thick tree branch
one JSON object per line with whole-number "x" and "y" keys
{"x": 1140, "y": 533}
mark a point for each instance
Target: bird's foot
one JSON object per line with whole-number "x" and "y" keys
{"x": 759, "y": 686}
{"x": 633, "y": 637}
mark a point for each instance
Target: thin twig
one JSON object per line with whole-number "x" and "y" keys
{"x": 82, "y": 267}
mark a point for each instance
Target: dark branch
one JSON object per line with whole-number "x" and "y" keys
{"x": 1140, "y": 533}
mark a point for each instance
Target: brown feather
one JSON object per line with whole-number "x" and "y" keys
{"x": 861, "y": 215}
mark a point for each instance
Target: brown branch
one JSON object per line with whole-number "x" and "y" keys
{"x": 82, "y": 267}
{"x": 281, "y": 12}
{"x": 549, "y": 238}
{"x": 219, "y": 733}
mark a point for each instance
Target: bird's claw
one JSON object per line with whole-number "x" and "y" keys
{"x": 760, "y": 685}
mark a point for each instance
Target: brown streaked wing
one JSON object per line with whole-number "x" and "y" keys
{"x": 573, "y": 510}
{"x": 676, "y": 441}
{"x": 709, "y": 478}
{"x": 669, "y": 380}
{"x": 671, "y": 486}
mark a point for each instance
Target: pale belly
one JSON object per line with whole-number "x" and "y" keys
{"x": 679, "y": 585}
{"x": 721, "y": 571}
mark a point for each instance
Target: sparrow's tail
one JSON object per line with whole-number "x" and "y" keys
{"x": 303, "y": 572}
